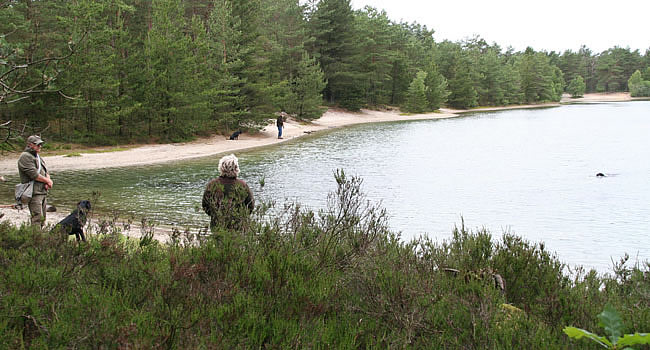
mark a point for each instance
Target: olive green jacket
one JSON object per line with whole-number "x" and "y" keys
{"x": 28, "y": 170}
{"x": 227, "y": 200}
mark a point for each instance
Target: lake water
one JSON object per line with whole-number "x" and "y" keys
{"x": 528, "y": 172}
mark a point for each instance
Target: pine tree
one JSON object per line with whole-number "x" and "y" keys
{"x": 306, "y": 88}
{"x": 558, "y": 84}
{"x": 461, "y": 87}
{"x": 436, "y": 87}
{"x": 32, "y": 47}
{"x": 227, "y": 103}
{"x": 614, "y": 67}
{"x": 453, "y": 63}
{"x": 283, "y": 37}
{"x": 646, "y": 73}
{"x": 576, "y": 87}
{"x": 284, "y": 34}
{"x": 173, "y": 97}
{"x": 511, "y": 85}
{"x": 638, "y": 86}
{"x": 579, "y": 63}
{"x": 377, "y": 54}
{"x": 416, "y": 97}
{"x": 414, "y": 46}
{"x": 332, "y": 25}
{"x": 106, "y": 74}
{"x": 241, "y": 98}
{"x": 540, "y": 81}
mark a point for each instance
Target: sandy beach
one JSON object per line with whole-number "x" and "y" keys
{"x": 161, "y": 153}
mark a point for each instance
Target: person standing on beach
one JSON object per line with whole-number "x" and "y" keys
{"x": 280, "y": 124}
{"x": 228, "y": 200}
{"x": 29, "y": 164}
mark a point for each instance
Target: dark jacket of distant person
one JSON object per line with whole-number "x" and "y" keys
{"x": 227, "y": 199}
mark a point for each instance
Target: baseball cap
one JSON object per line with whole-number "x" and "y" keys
{"x": 35, "y": 140}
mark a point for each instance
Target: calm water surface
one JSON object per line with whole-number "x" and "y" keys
{"x": 529, "y": 172}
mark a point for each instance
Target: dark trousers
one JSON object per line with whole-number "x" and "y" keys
{"x": 37, "y": 209}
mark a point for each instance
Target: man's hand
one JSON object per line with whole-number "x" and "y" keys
{"x": 46, "y": 180}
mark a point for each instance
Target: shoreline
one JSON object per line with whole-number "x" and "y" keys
{"x": 332, "y": 119}
{"x": 163, "y": 153}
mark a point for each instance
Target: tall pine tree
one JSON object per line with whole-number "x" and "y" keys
{"x": 333, "y": 27}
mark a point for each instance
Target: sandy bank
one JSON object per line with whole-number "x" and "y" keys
{"x": 333, "y": 118}
{"x": 600, "y": 97}
{"x": 161, "y": 153}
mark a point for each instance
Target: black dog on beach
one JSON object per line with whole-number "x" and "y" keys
{"x": 235, "y": 135}
{"x": 73, "y": 224}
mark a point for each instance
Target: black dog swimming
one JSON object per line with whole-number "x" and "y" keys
{"x": 235, "y": 135}
{"x": 73, "y": 224}
{"x": 600, "y": 175}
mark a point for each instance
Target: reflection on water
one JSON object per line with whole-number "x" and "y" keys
{"x": 530, "y": 172}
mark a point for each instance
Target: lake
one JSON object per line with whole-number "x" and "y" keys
{"x": 531, "y": 172}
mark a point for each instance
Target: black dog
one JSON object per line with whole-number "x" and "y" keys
{"x": 73, "y": 224}
{"x": 235, "y": 135}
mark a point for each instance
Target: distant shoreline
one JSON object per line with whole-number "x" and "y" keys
{"x": 333, "y": 118}
{"x": 162, "y": 153}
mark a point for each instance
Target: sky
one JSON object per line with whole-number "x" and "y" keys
{"x": 550, "y": 25}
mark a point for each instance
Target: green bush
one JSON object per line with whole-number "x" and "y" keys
{"x": 577, "y": 87}
{"x": 638, "y": 86}
{"x": 294, "y": 278}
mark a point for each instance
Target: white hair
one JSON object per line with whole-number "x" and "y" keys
{"x": 229, "y": 166}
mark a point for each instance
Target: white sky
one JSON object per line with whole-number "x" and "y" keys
{"x": 551, "y": 25}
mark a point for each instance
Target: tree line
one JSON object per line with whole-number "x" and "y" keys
{"x": 169, "y": 70}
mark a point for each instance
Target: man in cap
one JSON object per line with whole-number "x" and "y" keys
{"x": 28, "y": 169}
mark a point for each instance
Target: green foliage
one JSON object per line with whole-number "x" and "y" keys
{"x": 306, "y": 90}
{"x": 540, "y": 80}
{"x": 416, "y": 98}
{"x": 436, "y": 87}
{"x": 31, "y": 57}
{"x": 463, "y": 93}
{"x": 176, "y": 81}
{"x": 378, "y": 52}
{"x": 638, "y": 86}
{"x": 332, "y": 26}
{"x": 612, "y": 323}
{"x": 614, "y": 67}
{"x": 646, "y": 72}
{"x": 294, "y": 278}
{"x": 170, "y": 70}
{"x": 581, "y": 63}
{"x": 576, "y": 87}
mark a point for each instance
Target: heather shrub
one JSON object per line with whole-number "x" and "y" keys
{"x": 296, "y": 278}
